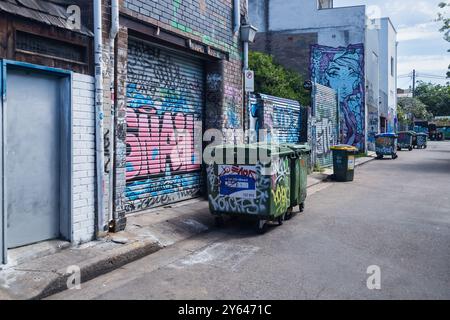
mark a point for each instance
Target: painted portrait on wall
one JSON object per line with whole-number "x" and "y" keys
{"x": 342, "y": 69}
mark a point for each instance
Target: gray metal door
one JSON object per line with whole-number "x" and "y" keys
{"x": 32, "y": 157}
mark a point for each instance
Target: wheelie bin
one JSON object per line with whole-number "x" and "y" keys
{"x": 252, "y": 180}
{"x": 299, "y": 176}
{"x": 386, "y": 145}
{"x": 344, "y": 162}
{"x": 405, "y": 140}
{"x": 421, "y": 140}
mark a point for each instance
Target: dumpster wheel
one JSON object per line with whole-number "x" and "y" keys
{"x": 281, "y": 218}
{"x": 262, "y": 226}
{"x": 288, "y": 215}
{"x": 302, "y": 207}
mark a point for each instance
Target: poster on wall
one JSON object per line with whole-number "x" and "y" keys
{"x": 237, "y": 181}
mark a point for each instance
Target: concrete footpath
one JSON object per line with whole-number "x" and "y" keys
{"x": 41, "y": 270}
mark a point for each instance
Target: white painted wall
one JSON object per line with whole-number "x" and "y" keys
{"x": 336, "y": 26}
{"x": 83, "y": 150}
{"x": 388, "y": 81}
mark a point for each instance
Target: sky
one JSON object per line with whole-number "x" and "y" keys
{"x": 421, "y": 45}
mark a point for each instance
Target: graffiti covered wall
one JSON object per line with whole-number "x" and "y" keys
{"x": 280, "y": 118}
{"x": 342, "y": 69}
{"x": 164, "y": 110}
{"x": 325, "y": 123}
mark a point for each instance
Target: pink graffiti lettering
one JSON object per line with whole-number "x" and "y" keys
{"x": 157, "y": 144}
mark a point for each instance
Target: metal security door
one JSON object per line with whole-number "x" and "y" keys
{"x": 165, "y": 98}
{"x": 32, "y": 157}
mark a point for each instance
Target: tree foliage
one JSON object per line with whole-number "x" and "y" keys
{"x": 273, "y": 79}
{"x": 435, "y": 97}
{"x": 410, "y": 109}
{"x": 445, "y": 29}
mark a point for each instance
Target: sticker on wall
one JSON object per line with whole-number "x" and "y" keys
{"x": 237, "y": 181}
{"x": 351, "y": 162}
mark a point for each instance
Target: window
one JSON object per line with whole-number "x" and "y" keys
{"x": 392, "y": 66}
{"x": 324, "y": 4}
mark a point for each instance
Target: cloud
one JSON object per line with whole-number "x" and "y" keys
{"x": 430, "y": 64}
{"x": 421, "y": 31}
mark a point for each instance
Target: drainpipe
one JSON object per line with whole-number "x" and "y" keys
{"x": 99, "y": 147}
{"x": 112, "y": 36}
{"x": 236, "y": 15}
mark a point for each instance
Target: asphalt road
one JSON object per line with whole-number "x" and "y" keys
{"x": 395, "y": 215}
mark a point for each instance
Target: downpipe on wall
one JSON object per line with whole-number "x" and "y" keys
{"x": 112, "y": 36}
{"x": 99, "y": 146}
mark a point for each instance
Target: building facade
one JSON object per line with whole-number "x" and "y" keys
{"x": 48, "y": 124}
{"x": 178, "y": 72}
{"x": 335, "y": 47}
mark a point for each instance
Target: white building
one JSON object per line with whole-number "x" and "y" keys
{"x": 338, "y": 47}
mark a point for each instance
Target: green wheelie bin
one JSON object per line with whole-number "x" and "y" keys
{"x": 252, "y": 180}
{"x": 405, "y": 140}
{"x": 344, "y": 162}
{"x": 299, "y": 176}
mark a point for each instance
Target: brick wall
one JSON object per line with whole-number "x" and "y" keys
{"x": 291, "y": 50}
{"x": 83, "y": 150}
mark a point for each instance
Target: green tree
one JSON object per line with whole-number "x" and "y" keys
{"x": 435, "y": 97}
{"x": 273, "y": 79}
{"x": 410, "y": 109}
{"x": 445, "y": 29}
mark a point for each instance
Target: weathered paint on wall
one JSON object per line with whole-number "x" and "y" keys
{"x": 343, "y": 70}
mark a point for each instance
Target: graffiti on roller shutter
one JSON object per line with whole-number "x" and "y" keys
{"x": 162, "y": 161}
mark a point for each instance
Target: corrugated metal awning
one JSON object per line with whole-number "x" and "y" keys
{"x": 49, "y": 12}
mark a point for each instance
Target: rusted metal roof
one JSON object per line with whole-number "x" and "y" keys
{"x": 51, "y": 12}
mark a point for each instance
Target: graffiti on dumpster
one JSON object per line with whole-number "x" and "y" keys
{"x": 384, "y": 145}
{"x": 280, "y": 184}
{"x": 240, "y": 205}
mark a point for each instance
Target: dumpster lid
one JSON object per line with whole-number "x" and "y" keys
{"x": 407, "y": 132}
{"x": 273, "y": 149}
{"x": 422, "y": 134}
{"x": 386, "y": 134}
{"x": 298, "y": 147}
{"x": 345, "y": 147}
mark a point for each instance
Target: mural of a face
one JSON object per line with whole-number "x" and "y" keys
{"x": 342, "y": 69}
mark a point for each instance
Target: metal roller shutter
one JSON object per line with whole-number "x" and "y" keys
{"x": 165, "y": 97}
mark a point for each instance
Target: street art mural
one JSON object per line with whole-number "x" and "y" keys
{"x": 164, "y": 112}
{"x": 342, "y": 69}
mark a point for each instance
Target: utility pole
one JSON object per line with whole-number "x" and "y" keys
{"x": 414, "y": 84}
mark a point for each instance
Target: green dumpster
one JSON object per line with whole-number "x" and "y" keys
{"x": 251, "y": 180}
{"x": 299, "y": 176}
{"x": 344, "y": 162}
{"x": 405, "y": 140}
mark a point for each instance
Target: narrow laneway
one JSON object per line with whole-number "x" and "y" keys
{"x": 395, "y": 215}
